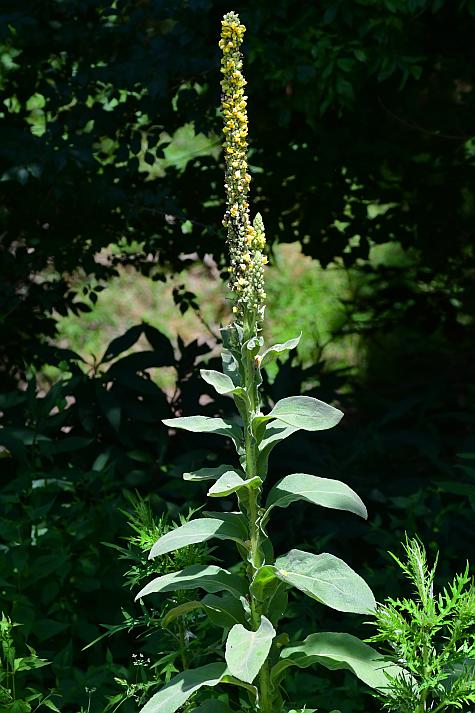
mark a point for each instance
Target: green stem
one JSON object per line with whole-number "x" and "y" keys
{"x": 251, "y": 381}
{"x": 182, "y": 644}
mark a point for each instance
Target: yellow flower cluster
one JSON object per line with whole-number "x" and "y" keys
{"x": 246, "y": 240}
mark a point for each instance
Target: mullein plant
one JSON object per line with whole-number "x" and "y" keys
{"x": 249, "y": 601}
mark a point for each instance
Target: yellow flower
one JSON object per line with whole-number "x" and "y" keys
{"x": 245, "y": 240}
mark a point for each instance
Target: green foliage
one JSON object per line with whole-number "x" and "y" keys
{"x": 85, "y": 145}
{"x": 432, "y": 637}
{"x": 68, "y": 454}
{"x": 15, "y": 695}
{"x": 252, "y": 644}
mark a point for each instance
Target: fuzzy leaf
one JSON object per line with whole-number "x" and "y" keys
{"x": 222, "y": 383}
{"x": 209, "y": 578}
{"x": 327, "y": 579}
{"x": 320, "y": 491}
{"x": 339, "y": 651}
{"x": 273, "y": 352}
{"x": 246, "y": 650}
{"x": 210, "y": 473}
{"x": 180, "y": 688}
{"x": 232, "y": 482}
{"x": 229, "y": 527}
{"x": 306, "y": 413}
{"x": 206, "y": 424}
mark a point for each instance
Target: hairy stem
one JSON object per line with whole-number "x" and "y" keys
{"x": 251, "y": 380}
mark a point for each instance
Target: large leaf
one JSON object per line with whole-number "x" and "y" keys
{"x": 339, "y": 651}
{"x": 231, "y": 526}
{"x": 327, "y": 579}
{"x": 320, "y": 491}
{"x": 180, "y": 688}
{"x": 210, "y": 578}
{"x": 210, "y": 473}
{"x": 206, "y": 424}
{"x": 273, "y": 352}
{"x": 246, "y": 650}
{"x": 306, "y": 413}
{"x": 221, "y": 383}
{"x": 231, "y": 482}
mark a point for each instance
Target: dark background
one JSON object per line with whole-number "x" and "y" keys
{"x": 351, "y": 103}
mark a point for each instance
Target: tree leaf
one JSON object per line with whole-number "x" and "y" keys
{"x": 306, "y": 413}
{"x": 210, "y": 578}
{"x": 124, "y": 342}
{"x": 339, "y": 651}
{"x": 180, "y": 688}
{"x": 222, "y": 383}
{"x": 320, "y": 491}
{"x": 327, "y": 579}
{"x": 231, "y": 482}
{"x": 246, "y": 650}
{"x": 210, "y": 473}
{"x": 206, "y": 424}
{"x": 273, "y": 352}
{"x": 231, "y": 526}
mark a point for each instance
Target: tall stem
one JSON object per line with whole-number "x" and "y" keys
{"x": 251, "y": 381}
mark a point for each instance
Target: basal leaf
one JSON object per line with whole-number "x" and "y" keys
{"x": 231, "y": 526}
{"x": 320, "y": 491}
{"x": 327, "y": 579}
{"x": 339, "y": 651}
{"x": 246, "y": 651}
{"x": 180, "y": 688}
{"x": 210, "y": 578}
